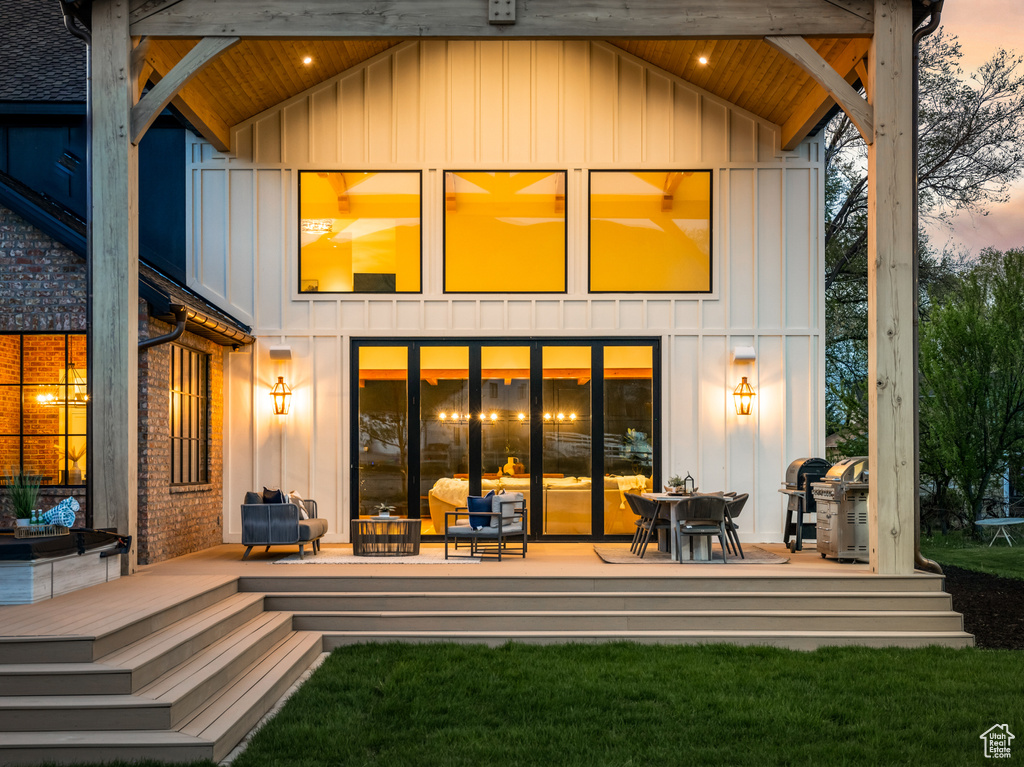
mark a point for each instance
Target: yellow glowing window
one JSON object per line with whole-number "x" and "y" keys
{"x": 359, "y": 232}
{"x": 504, "y": 232}
{"x": 650, "y": 231}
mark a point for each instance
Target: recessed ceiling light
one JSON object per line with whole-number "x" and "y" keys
{"x": 702, "y": 60}
{"x": 308, "y": 60}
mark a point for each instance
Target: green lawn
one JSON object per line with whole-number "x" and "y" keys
{"x": 960, "y": 551}
{"x": 626, "y": 704}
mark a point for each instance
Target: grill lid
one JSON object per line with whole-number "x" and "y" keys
{"x": 849, "y": 470}
{"x": 805, "y": 466}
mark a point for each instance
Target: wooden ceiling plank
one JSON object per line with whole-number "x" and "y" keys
{"x": 796, "y": 85}
{"x": 541, "y": 19}
{"x": 813, "y": 108}
{"x": 858, "y": 110}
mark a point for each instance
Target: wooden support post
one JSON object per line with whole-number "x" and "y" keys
{"x": 113, "y": 279}
{"x": 891, "y": 363}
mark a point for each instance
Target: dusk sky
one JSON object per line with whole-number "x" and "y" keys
{"x": 983, "y": 26}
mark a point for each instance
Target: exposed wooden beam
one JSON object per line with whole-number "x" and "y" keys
{"x": 811, "y": 111}
{"x": 861, "y": 68}
{"x": 808, "y": 59}
{"x": 153, "y": 103}
{"x": 892, "y": 366}
{"x": 113, "y": 274}
{"x": 192, "y": 102}
{"x": 595, "y": 19}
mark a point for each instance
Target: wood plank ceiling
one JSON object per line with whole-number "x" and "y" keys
{"x": 259, "y": 73}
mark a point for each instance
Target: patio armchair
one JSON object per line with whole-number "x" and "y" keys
{"x": 705, "y": 516}
{"x": 495, "y": 529}
{"x": 280, "y": 524}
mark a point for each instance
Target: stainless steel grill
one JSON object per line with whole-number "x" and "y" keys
{"x": 799, "y": 476}
{"x": 842, "y": 501}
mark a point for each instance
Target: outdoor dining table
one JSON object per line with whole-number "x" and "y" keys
{"x": 700, "y": 545}
{"x": 1001, "y": 523}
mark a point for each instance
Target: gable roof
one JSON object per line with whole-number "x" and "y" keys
{"x": 39, "y": 58}
{"x": 159, "y": 290}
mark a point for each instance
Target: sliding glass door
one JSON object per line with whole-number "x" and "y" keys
{"x": 569, "y": 423}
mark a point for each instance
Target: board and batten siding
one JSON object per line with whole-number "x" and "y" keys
{"x": 518, "y": 105}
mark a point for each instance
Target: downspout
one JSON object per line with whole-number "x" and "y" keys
{"x": 919, "y": 560}
{"x": 180, "y": 316}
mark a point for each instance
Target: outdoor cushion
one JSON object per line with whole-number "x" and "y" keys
{"x": 294, "y": 497}
{"x": 479, "y": 510}
{"x": 273, "y": 495}
{"x": 311, "y": 529}
{"x": 251, "y": 498}
{"x": 506, "y": 504}
{"x": 485, "y": 532}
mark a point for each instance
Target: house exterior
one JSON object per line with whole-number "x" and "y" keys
{"x": 561, "y": 327}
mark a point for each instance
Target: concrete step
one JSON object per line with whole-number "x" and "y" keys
{"x": 137, "y": 664}
{"x": 803, "y": 640}
{"x": 225, "y": 718}
{"x": 69, "y": 747}
{"x": 664, "y": 578}
{"x": 423, "y": 601}
{"x": 161, "y": 704}
{"x": 631, "y": 620}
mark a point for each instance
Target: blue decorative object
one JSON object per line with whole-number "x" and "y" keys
{"x": 63, "y": 513}
{"x": 482, "y": 509}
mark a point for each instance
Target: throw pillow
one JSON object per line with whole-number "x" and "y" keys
{"x": 294, "y": 497}
{"x": 273, "y": 495}
{"x": 252, "y": 498}
{"x": 479, "y": 509}
{"x": 507, "y": 504}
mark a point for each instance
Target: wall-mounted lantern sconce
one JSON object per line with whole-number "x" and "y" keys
{"x": 282, "y": 395}
{"x": 743, "y": 397}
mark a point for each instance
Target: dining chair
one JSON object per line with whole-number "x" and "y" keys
{"x": 648, "y": 520}
{"x": 705, "y": 516}
{"x": 733, "y": 507}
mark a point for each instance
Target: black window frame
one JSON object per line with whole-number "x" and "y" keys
{"x": 21, "y": 386}
{"x": 193, "y": 430}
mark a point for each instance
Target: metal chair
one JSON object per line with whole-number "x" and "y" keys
{"x": 705, "y": 516}
{"x": 649, "y": 520}
{"x": 733, "y": 507}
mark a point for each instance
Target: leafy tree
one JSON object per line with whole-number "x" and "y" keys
{"x": 971, "y": 150}
{"x": 972, "y": 378}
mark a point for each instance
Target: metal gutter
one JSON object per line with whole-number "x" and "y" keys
{"x": 181, "y": 316}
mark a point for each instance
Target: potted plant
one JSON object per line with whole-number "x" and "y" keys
{"x": 674, "y": 484}
{"x": 24, "y": 492}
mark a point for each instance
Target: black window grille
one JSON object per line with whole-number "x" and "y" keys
{"x": 190, "y": 431}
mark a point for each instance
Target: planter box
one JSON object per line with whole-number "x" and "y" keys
{"x": 26, "y": 582}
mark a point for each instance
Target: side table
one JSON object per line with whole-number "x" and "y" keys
{"x": 385, "y": 537}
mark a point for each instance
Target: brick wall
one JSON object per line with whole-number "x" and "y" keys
{"x": 175, "y": 520}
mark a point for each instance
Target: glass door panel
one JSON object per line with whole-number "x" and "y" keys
{"x": 567, "y": 455}
{"x": 628, "y": 431}
{"x": 383, "y": 429}
{"x": 505, "y": 419}
{"x": 444, "y": 426}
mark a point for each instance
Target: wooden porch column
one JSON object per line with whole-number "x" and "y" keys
{"x": 113, "y": 279}
{"x": 891, "y": 363}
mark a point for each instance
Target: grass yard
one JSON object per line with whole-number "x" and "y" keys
{"x": 960, "y": 551}
{"x": 626, "y": 704}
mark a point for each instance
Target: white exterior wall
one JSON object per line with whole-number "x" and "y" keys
{"x": 518, "y": 105}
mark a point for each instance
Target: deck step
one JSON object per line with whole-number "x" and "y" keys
{"x": 63, "y": 679}
{"x": 68, "y": 747}
{"x": 631, "y": 620}
{"x": 227, "y": 717}
{"x": 37, "y": 713}
{"x": 588, "y": 600}
{"x": 803, "y": 640}
{"x": 188, "y": 685}
{"x": 665, "y": 578}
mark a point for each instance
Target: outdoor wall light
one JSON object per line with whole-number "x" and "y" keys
{"x": 282, "y": 395}
{"x": 743, "y": 397}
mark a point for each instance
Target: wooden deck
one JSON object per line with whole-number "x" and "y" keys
{"x": 179, "y": 661}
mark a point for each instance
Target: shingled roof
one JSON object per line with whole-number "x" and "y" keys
{"x": 40, "y": 60}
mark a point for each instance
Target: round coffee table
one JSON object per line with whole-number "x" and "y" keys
{"x": 385, "y": 537}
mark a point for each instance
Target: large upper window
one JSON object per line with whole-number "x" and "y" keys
{"x": 190, "y": 432}
{"x": 650, "y": 231}
{"x": 359, "y": 232}
{"x": 43, "y": 403}
{"x": 504, "y": 232}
